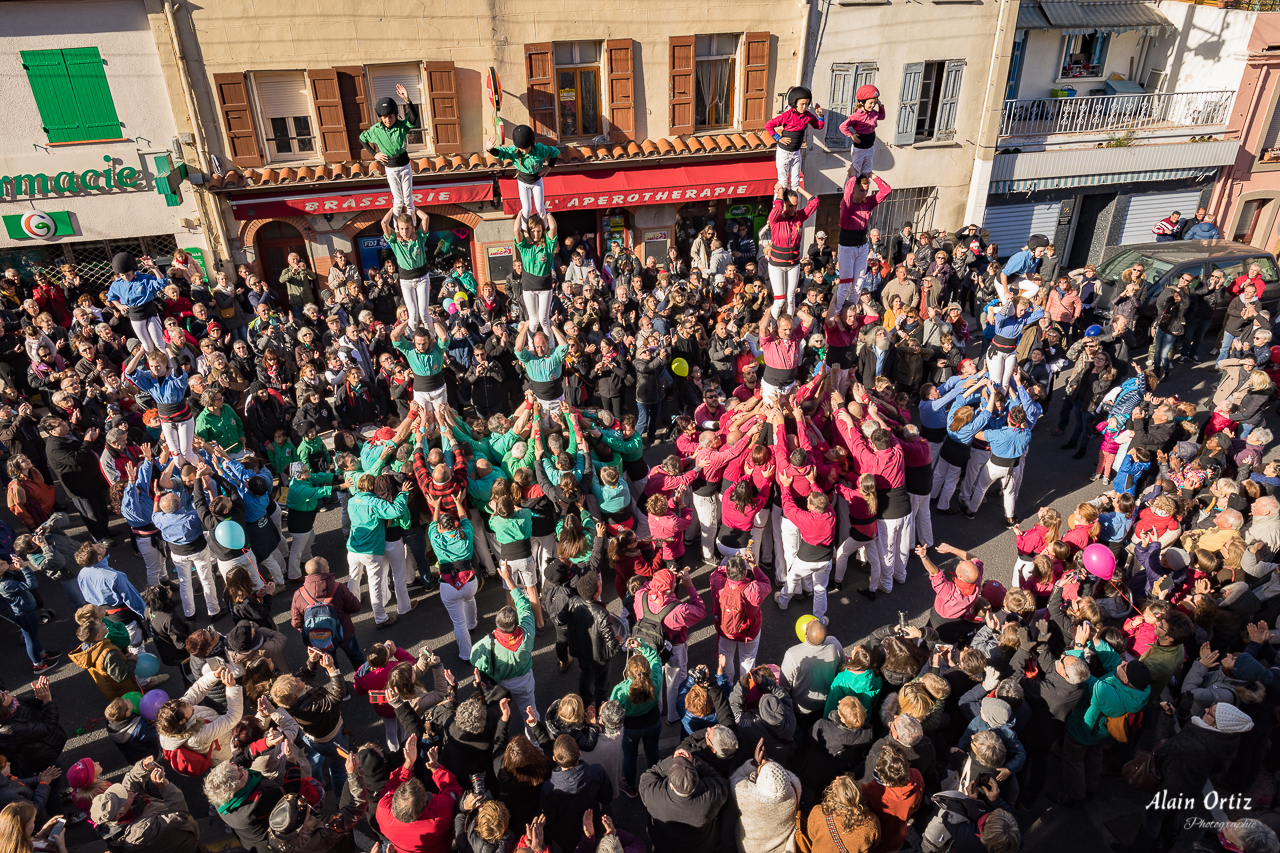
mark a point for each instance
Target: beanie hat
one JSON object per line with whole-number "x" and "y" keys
{"x": 1230, "y": 719}
{"x": 798, "y": 93}
{"x": 1037, "y": 241}
{"x": 522, "y": 136}
{"x": 82, "y": 774}
{"x": 771, "y": 711}
{"x": 682, "y": 776}
{"x": 867, "y": 91}
{"x": 1247, "y": 668}
{"x": 305, "y": 427}
{"x": 296, "y": 469}
{"x": 123, "y": 262}
{"x": 772, "y": 783}
{"x": 995, "y": 712}
{"x": 1137, "y": 674}
{"x": 243, "y": 638}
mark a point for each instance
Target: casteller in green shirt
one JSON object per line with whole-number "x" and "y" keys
{"x": 367, "y": 513}
{"x": 536, "y": 257}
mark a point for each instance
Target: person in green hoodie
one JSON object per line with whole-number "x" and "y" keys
{"x": 452, "y": 541}
{"x": 1125, "y": 691}
{"x": 220, "y": 424}
{"x": 367, "y": 542}
{"x": 637, "y": 693}
{"x": 306, "y": 490}
{"x": 281, "y": 453}
{"x": 506, "y": 655}
{"x": 857, "y": 679}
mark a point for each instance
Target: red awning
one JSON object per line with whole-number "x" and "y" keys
{"x": 310, "y": 203}
{"x": 625, "y": 187}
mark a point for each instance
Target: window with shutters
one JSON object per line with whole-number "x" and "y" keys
{"x": 383, "y": 80}
{"x": 1269, "y": 151}
{"x": 715, "y": 71}
{"x": 929, "y": 101}
{"x": 578, "y": 74}
{"x": 846, "y": 77}
{"x": 71, "y": 94}
{"x": 1084, "y": 55}
{"x": 285, "y": 107}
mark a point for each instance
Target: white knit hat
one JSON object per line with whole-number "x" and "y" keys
{"x": 772, "y": 783}
{"x": 1230, "y": 719}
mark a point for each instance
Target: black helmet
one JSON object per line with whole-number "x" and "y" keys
{"x": 122, "y": 263}
{"x": 798, "y": 93}
{"x": 522, "y": 136}
{"x": 287, "y": 817}
{"x": 386, "y": 107}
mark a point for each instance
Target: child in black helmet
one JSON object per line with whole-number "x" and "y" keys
{"x": 860, "y": 126}
{"x": 789, "y": 128}
{"x": 532, "y": 160}
{"x": 385, "y": 140}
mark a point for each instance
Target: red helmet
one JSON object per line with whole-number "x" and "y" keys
{"x": 867, "y": 91}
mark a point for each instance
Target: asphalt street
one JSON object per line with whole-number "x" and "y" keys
{"x": 1052, "y": 478}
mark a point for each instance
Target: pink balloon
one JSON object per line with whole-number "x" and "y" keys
{"x": 1099, "y": 561}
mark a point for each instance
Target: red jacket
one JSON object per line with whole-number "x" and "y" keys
{"x": 754, "y": 591}
{"x": 432, "y": 832}
{"x": 376, "y": 680}
{"x": 894, "y": 807}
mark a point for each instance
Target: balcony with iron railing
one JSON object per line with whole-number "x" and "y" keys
{"x": 1115, "y": 115}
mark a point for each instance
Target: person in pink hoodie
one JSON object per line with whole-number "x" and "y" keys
{"x": 738, "y": 588}
{"x": 650, "y": 599}
{"x": 860, "y": 126}
{"x": 851, "y": 255}
{"x": 788, "y": 128}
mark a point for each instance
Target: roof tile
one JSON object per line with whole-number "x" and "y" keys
{"x": 269, "y": 176}
{"x": 633, "y": 150}
{"x": 666, "y": 147}
{"x": 696, "y": 144}
{"x": 475, "y": 162}
{"x": 649, "y": 148}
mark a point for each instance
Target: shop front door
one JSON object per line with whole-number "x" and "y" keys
{"x": 275, "y": 242}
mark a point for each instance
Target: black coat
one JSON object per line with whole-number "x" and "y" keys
{"x": 568, "y": 794}
{"x": 831, "y": 749}
{"x": 867, "y": 364}
{"x": 1188, "y": 758}
{"x": 250, "y": 821}
{"x": 687, "y": 824}
{"x": 76, "y": 465}
{"x": 32, "y": 736}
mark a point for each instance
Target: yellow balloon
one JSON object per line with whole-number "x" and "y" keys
{"x": 680, "y": 367}
{"x": 802, "y": 623}
{"x": 460, "y": 295}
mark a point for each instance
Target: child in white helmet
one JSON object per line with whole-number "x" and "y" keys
{"x": 860, "y": 126}
{"x": 385, "y": 140}
{"x": 789, "y": 128}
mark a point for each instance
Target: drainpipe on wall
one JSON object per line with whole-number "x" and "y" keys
{"x": 992, "y": 109}
{"x": 210, "y": 215}
{"x": 803, "y": 59}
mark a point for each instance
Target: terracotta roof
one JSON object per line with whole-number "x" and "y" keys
{"x": 645, "y": 149}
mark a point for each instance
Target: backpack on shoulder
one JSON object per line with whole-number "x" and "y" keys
{"x": 649, "y": 629}
{"x": 321, "y": 623}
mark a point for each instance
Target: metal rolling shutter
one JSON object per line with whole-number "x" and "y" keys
{"x": 1149, "y": 208}
{"x": 283, "y": 95}
{"x": 1010, "y": 226}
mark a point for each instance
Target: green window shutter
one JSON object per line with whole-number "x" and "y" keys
{"x": 72, "y": 95}
{"x": 51, "y": 86}
{"x": 98, "y": 119}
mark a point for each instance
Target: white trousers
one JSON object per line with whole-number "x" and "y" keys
{"x": 460, "y": 604}
{"x": 544, "y": 550}
{"x": 395, "y": 578}
{"x": 202, "y": 562}
{"x": 417, "y": 296}
{"x": 400, "y": 180}
{"x": 481, "y": 543}
{"x": 152, "y": 558}
{"x": 784, "y": 281}
{"x": 991, "y": 472}
{"x": 746, "y": 651}
{"x": 150, "y": 333}
{"x": 179, "y": 437}
{"x": 708, "y": 511}
{"x": 922, "y": 520}
{"x": 376, "y": 564}
{"x": 250, "y": 564}
{"x": 786, "y": 540}
{"x": 894, "y": 534}
{"x": 934, "y": 448}
{"x": 532, "y": 199}
{"x": 769, "y": 393}
{"x": 862, "y": 158}
{"x": 1000, "y": 366}
{"x": 868, "y": 548}
{"x": 945, "y": 478}
{"x": 300, "y": 553}
{"x": 537, "y": 310}
{"x": 800, "y": 575}
{"x": 851, "y": 261}
{"x": 788, "y": 168}
{"x": 439, "y": 397}
{"x": 977, "y": 462}
{"x": 674, "y": 672}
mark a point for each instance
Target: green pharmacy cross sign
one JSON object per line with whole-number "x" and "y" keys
{"x": 35, "y": 225}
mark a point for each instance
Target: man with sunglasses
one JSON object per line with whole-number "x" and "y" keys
{"x": 1205, "y": 300}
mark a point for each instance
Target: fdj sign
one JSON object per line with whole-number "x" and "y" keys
{"x": 90, "y": 180}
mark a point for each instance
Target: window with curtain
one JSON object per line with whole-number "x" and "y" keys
{"x": 1085, "y": 55}
{"x": 383, "y": 80}
{"x": 715, "y": 66}
{"x": 578, "y": 87}
{"x": 286, "y": 114}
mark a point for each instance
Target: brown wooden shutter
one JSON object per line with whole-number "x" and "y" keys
{"x": 540, "y": 71}
{"x": 755, "y": 81}
{"x": 237, "y": 119}
{"x": 442, "y": 90}
{"x": 355, "y": 108}
{"x": 622, "y": 94}
{"x": 323, "y": 85}
{"x": 682, "y": 86}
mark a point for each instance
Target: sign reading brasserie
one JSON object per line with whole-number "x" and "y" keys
{"x": 89, "y": 180}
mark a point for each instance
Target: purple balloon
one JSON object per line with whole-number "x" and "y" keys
{"x": 151, "y": 702}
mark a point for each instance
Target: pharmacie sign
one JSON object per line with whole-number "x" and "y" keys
{"x": 72, "y": 182}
